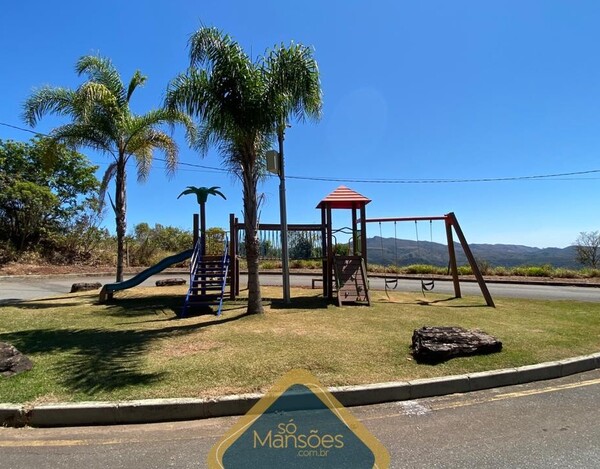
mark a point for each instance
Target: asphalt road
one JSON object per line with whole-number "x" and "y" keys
{"x": 14, "y": 289}
{"x": 538, "y": 425}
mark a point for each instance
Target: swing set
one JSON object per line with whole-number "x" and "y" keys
{"x": 392, "y": 283}
{"x": 451, "y": 224}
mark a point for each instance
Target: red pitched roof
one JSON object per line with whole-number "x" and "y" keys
{"x": 344, "y": 197}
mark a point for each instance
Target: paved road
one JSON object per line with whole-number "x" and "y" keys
{"x": 539, "y": 425}
{"x": 14, "y": 289}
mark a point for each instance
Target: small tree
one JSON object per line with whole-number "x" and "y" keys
{"x": 300, "y": 247}
{"x": 202, "y": 194}
{"x": 586, "y": 246}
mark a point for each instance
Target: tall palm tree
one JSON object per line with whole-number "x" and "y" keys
{"x": 202, "y": 194}
{"x": 239, "y": 103}
{"x": 102, "y": 120}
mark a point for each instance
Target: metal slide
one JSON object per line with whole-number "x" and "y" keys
{"x": 110, "y": 288}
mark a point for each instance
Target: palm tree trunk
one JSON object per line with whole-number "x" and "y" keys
{"x": 121, "y": 224}
{"x": 203, "y": 228}
{"x": 252, "y": 244}
{"x": 203, "y": 242}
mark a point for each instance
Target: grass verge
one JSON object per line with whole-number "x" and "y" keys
{"x": 136, "y": 349}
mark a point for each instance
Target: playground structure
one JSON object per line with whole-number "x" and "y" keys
{"x": 450, "y": 223}
{"x": 308, "y": 239}
{"x": 208, "y": 275}
{"x": 344, "y": 277}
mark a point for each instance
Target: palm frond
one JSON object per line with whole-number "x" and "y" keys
{"x": 137, "y": 80}
{"x": 108, "y": 176}
{"x": 48, "y": 100}
{"x": 93, "y": 97}
{"x": 143, "y": 145}
{"x": 143, "y": 161}
{"x": 189, "y": 93}
{"x": 188, "y": 191}
{"x": 77, "y": 135}
{"x": 101, "y": 70}
{"x": 294, "y": 83}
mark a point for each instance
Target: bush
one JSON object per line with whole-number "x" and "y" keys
{"x": 270, "y": 265}
{"x": 534, "y": 271}
{"x": 500, "y": 271}
{"x": 591, "y": 273}
{"x": 7, "y": 253}
{"x": 420, "y": 269}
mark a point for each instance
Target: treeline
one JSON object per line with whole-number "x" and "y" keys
{"x": 50, "y": 212}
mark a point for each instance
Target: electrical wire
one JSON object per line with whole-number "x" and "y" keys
{"x": 569, "y": 176}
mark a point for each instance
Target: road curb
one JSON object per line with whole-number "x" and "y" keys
{"x": 164, "y": 410}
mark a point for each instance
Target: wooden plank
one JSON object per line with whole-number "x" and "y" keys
{"x": 472, "y": 261}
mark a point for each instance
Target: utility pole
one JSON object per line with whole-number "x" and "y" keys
{"x": 285, "y": 259}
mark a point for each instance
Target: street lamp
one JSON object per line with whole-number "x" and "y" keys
{"x": 275, "y": 165}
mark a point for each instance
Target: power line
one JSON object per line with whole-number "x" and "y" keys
{"x": 570, "y": 176}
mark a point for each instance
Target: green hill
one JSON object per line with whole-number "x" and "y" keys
{"x": 404, "y": 252}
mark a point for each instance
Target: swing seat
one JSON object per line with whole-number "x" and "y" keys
{"x": 393, "y": 282}
{"x": 427, "y": 286}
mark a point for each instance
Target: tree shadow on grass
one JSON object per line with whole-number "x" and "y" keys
{"x": 97, "y": 360}
{"x": 130, "y": 307}
{"x": 46, "y": 303}
{"x": 300, "y": 302}
{"x": 426, "y": 302}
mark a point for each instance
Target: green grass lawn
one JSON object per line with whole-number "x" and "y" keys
{"x": 136, "y": 349}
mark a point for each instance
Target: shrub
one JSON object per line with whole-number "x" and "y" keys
{"x": 534, "y": 271}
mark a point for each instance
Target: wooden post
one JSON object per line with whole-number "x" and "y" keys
{"x": 363, "y": 233}
{"x": 329, "y": 255}
{"x": 233, "y": 267}
{"x": 196, "y": 227}
{"x": 452, "y": 259}
{"x": 324, "y": 246}
{"x": 355, "y": 246}
{"x": 471, "y": 259}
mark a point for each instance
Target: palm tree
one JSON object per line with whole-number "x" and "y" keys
{"x": 202, "y": 194}
{"x": 102, "y": 120}
{"x": 239, "y": 104}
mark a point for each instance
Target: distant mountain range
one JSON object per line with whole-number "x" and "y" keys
{"x": 404, "y": 252}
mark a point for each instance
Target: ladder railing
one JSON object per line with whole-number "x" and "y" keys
{"x": 201, "y": 280}
{"x": 196, "y": 255}
{"x": 225, "y": 264}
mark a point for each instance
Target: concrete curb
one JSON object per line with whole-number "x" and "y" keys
{"x": 162, "y": 410}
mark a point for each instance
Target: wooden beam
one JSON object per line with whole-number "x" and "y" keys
{"x": 233, "y": 265}
{"x": 363, "y": 233}
{"x": 376, "y": 220}
{"x": 452, "y": 259}
{"x": 471, "y": 259}
{"x": 324, "y": 253}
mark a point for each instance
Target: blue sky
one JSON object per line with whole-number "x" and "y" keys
{"x": 412, "y": 91}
